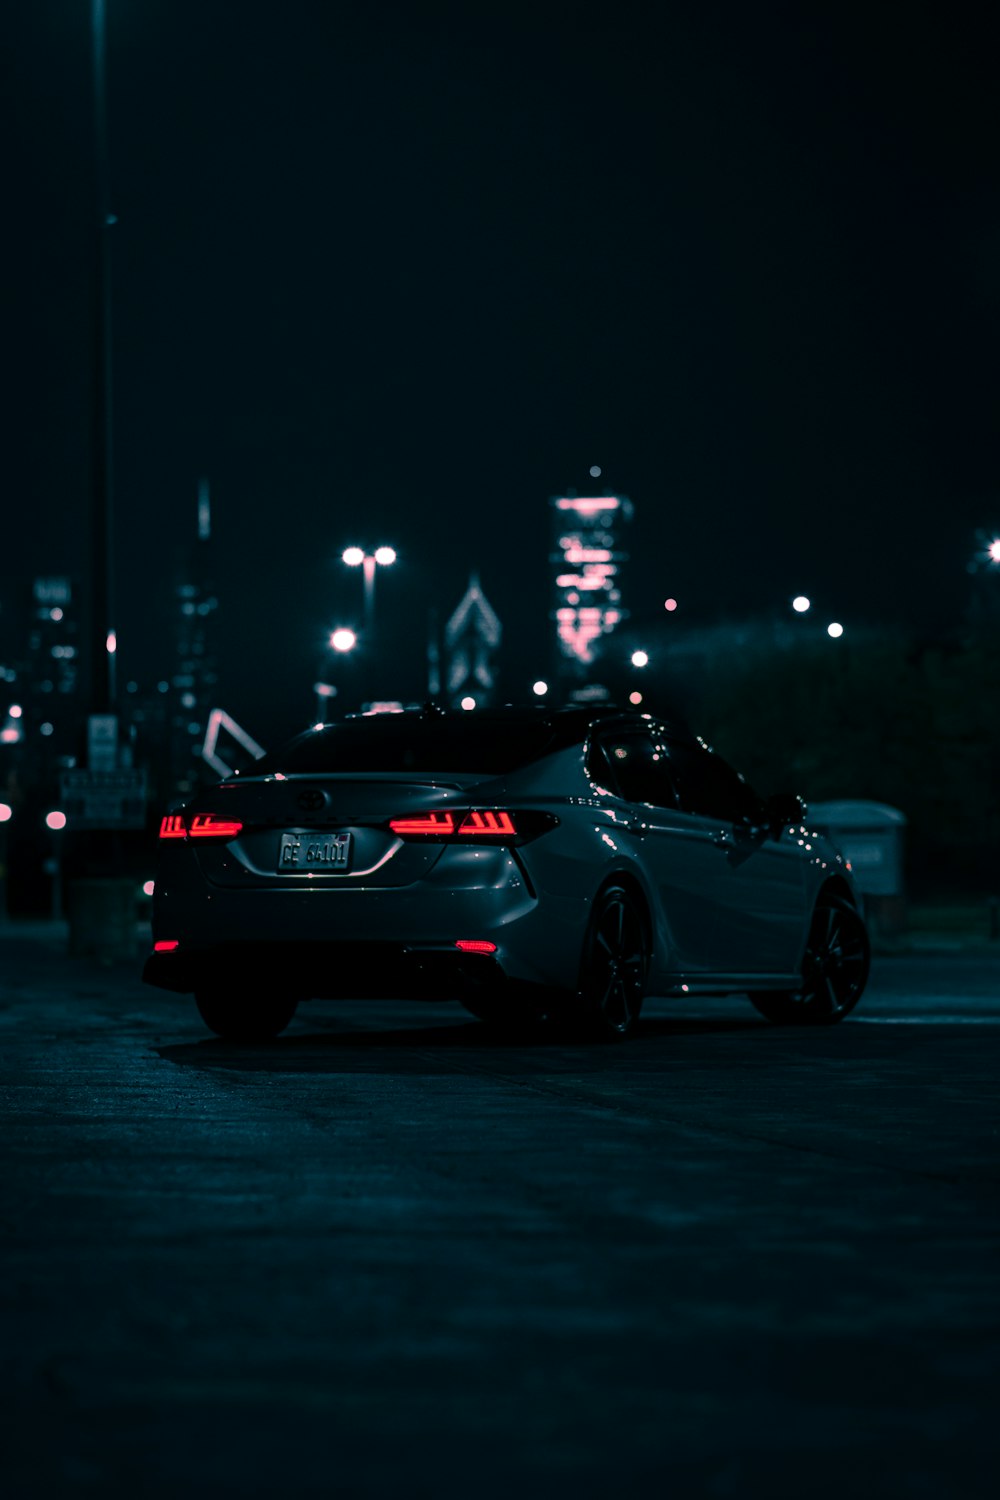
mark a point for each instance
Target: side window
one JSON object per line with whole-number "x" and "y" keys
{"x": 600, "y": 769}
{"x": 638, "y": 768}
{"x": 708, "y": 785}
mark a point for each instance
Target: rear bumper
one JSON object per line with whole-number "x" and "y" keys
{"x": 327, "y": 971}
{"x": 360, "y": 934}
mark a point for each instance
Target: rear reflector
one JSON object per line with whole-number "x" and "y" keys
{"x": 475, "y": 945}
{"x": 166, "y": 945}
{"x": 433, "y": 824}
{"x": 208, "y": 826}
{"x": 172, "y": 827}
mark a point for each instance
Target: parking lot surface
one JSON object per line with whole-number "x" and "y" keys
{"x": 391, "y": 1254}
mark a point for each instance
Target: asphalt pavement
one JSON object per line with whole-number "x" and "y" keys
{"x": 391, "y": 1255}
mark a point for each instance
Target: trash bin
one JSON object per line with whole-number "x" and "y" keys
{"x": 101, "y": 914}
{"x": 870, "y": 836}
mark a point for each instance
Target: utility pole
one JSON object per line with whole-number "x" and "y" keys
{"x": 102, "y": 638}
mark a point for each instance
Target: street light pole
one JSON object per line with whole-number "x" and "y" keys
{"x": 102, "y": 687}
{"x": 356, "y": 557}
{"x": 368, "y": 568}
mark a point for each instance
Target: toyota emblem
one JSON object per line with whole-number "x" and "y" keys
{"x": 311, "y": 800}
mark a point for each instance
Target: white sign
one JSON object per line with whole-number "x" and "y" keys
{"x": 102, "y": 742}
{"x": 52, "y": 590}
{"x": 219, "y": 721}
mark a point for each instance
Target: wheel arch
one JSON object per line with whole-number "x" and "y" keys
{"x": 631, "y": 883}
{"x": 836, "y": 885}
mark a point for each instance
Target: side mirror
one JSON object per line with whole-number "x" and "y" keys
{"x": 784, "y": 808}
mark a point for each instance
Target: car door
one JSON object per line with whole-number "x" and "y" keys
{"x": 754, "y": 905}
{"x": 673, "y": 846}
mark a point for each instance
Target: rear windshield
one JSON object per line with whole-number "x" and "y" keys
{"x": 399, "y": 742}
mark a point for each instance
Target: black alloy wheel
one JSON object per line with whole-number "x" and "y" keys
{"x": 834, "y": 969}
{"x": 245, "y": 1017}
{"x": 614, "y": 966}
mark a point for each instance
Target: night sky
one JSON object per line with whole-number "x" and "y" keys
{"x": 399, "y": 273}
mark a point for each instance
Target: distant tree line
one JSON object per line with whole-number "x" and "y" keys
{"x": 916, "y": 725}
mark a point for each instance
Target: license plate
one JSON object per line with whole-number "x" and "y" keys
{"x": 303, "y": 853}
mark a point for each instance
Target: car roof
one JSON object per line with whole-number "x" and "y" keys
{"x": 570, "y": 724}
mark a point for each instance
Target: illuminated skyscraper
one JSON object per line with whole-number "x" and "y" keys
{"x": 43, "y": 676}
{"x": 587, "y": 558}
{"x": 52, "y": 640}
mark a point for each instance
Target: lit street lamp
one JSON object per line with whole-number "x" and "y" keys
{"x": 801, "y": 604}
{"x": 356, "y": 557}
{"x": 640, "y": 659}
{"x": 342, "y": 641}
{"x": 987, "y": 553}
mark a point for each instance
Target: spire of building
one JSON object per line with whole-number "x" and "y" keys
{"x": 472, "y": 640}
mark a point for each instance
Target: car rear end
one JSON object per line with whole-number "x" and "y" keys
{"x": 396, "y": 880}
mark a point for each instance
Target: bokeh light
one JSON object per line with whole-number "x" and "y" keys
{"x": 343, "y": 639}
{"x": 640, "y": 659}
{"x": 55, "y": 820}
{"x": 800, "y": 604}
{"x": 670, "y": 604}
{"x": 835, "y": 630}
{"x": 539, "y": 688}
{"x": 385, "y": 556}
{"x": 635, "y": 699}
{"x": 353, "y": 557}
{"x": 468, "y": 703}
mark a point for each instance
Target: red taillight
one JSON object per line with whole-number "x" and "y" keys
{"x": 492, "y": 824}
{"x": 172, "y": 827}
{"x": 475, "y": 945}
{"x": 479, "y": 823}
{"x": 166, "y": 945}
{"x": 208, "y": 826}
{"x": 434, "y": 824}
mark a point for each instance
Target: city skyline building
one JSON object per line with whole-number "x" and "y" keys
{"x": 472, "y": 637}
{"x": 586, "y": 558}
{"x": 41, "y": 674}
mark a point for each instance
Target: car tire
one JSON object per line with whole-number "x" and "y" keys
{"x": 613, "y": 967}
{"x": 834, "y": 969}
{"x": 245, "y": 1017}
